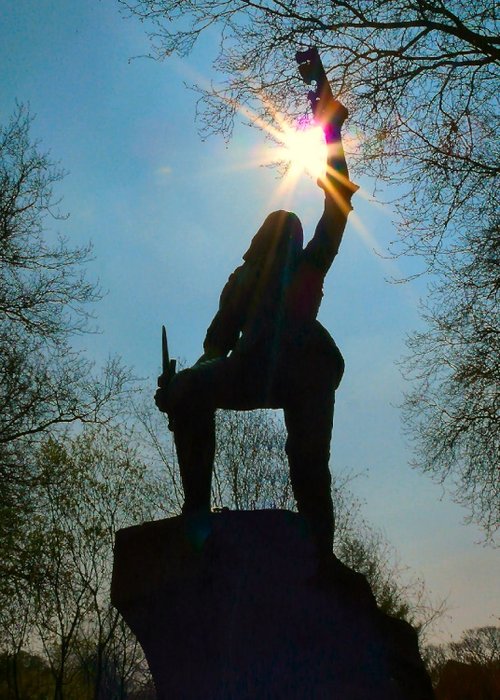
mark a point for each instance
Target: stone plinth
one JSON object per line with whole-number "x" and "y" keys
{"x": 229, "y": 606}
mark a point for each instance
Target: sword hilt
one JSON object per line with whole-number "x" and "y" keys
{"x": 325, "y": 107}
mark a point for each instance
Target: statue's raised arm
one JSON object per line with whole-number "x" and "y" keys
{"x": 330, "y": 115}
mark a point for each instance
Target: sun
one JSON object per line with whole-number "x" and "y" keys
{"x": 303, "y": 149}
{"x": 298, "y": 149}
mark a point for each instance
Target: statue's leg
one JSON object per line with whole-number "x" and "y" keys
{"x": 191, "y": 401}
{"x": 308, "y": 402}
{"x": 191, "y": 414}
{"x": 309, "y": 425}
{"x": 194, "y": 436}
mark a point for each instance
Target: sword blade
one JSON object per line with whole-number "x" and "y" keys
{"x": 165, "y": 360}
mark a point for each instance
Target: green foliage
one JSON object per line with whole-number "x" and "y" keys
{"x": 87, "y": 486}
{"x": 397, "y": 590}
{"x": 25, "y": 676}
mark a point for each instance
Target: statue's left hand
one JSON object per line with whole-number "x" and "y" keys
{"x": 161, "y": 397}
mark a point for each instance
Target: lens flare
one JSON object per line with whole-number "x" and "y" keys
{"x": 303, "y": 150}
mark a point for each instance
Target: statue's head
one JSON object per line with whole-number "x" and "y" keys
{"x": 279, "y": 240}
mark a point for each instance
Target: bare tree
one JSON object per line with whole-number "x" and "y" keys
{"x": 419, "y": 78}
{"x": 421, "y": 81}
{"x": 44, "y": 302}
{"x": 470, "y": 665}
{"x": 44, "y": 298}
{"x": 453, "y": 412}
{"x": 480, "y": 645}
{"x": 250, "y": 467}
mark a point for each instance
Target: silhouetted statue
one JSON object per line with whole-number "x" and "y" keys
{"x": 265, "y": 348}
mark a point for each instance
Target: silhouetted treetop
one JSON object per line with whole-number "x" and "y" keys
{"x": 418, "y": 77}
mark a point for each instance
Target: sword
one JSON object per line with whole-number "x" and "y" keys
{"x": 311, "y": 70}
{"x": 167, "y": 365}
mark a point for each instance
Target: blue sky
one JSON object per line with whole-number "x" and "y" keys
{"x": 170, "y": 216}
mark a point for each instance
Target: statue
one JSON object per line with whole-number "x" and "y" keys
{"x": 265, "y": 347}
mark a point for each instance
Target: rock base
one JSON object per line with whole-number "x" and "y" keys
{"x": 230, "y": 606}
